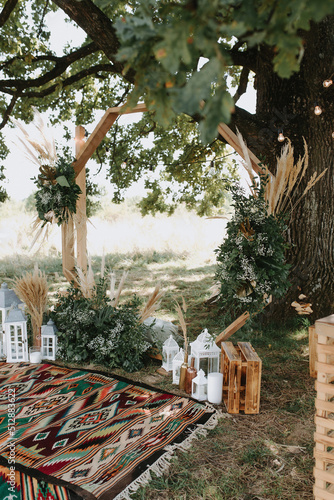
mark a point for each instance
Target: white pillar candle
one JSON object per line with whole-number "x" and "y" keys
{"x": 215, "y": 388}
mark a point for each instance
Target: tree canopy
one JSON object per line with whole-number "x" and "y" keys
{"x": 74, "y": 82}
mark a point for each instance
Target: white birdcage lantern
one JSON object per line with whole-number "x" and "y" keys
{"x": 49, "y": 340}
{"x": 206, "y": 353}
{"x": 7, "y": 298}
{"x": 199, "y": 389}
{"x": 170, "y": 348}
{"x": 177, "y": 362}
{"x": 16, "y": 336}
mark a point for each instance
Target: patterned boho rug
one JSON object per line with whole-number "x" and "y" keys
{"x": 77, "y": 434}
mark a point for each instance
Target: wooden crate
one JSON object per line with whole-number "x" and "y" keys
{"x": 324, "y": 439}
{"x": 242, "y": 368}
{"x": 230, "y": 367}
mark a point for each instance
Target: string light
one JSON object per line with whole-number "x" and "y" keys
{"x": 280, "y": 137}
{"x": 333, "y": 135}
{"x": 327, "y": 83}
{"x": 317, "y": 110}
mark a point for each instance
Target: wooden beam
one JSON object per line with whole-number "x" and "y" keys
{"x": 67, "y": 242}
{"x": 100, "y": 131}
{"x": 81, "y": 217}
{"x": 232, "y": 328}
{"x": 233, "y": 141}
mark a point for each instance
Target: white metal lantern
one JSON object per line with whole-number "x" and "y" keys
{"x": 206, "y": 353}
{"x": 49, "y": 340}
{"x": 170, "y": 349}
{"x": 199, "y": 389}
{"x": 7, "y": 298}
{"x": 16, "y": 336}
{"x": 177, "y": 362}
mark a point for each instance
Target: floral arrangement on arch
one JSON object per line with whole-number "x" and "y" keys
{"x": 251, "y": 265}
{"x": 57, "y": 193}
{"x": 251, "y": 262}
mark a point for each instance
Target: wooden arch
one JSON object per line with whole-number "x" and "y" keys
{"x": 83, "y": 152}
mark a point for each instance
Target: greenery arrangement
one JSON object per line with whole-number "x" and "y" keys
{"x": 251, "y": 262}
{"x": 57, "y": 192}
{"x": 92, "y": 330}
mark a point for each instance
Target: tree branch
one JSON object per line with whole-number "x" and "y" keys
{"x": 61, "y": 65}
{"x": 245, "y": 58}
{"x": 257, "y": 132}
{"x": 97, "y": 25}
{"x": 8, "y": 111}
{"x": 242, "y": 84}
{"x": 70, "y": 80}
{"x": 7, "y": 10}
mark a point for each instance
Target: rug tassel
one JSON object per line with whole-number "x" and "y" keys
{"x": 163, "y": 463}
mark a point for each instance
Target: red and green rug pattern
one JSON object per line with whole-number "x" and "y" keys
{"x": 78, "y": 434}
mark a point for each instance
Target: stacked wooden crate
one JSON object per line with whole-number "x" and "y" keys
{"x": 241, "y": 367}
{"x": 324, "y": 417}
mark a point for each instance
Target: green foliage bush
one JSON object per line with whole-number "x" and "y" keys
{"x": 251, "y": 260}
{"x": 93, "y": 331}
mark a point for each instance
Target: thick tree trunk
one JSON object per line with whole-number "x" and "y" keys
{"x": 289, "y": 104}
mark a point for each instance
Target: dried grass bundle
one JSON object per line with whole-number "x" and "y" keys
{"x": 152, "y": 304}
{"x": 115, "y": 294}
{"x": 43, "y": 151}
{"x": 182, "y": 321}
{"x": 280, "y": 190}
{"x": 86, "y": 281}
{"x": 247, "y": 163}
{"x": 32, "y": 289}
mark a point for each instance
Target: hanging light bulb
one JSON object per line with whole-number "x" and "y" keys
{"x": 333, "y": 135}
{"x": 327, "y": 83}
{"x": 280, "y": 137}
{"x": 317, "y": 109}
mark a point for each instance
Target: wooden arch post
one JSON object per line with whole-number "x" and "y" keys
{"x": 84, "y": 151}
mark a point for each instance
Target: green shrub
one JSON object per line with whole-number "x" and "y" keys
{"x": 93, "y": 331}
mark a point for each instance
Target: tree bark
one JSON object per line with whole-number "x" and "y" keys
{"x": 289, "y": 105}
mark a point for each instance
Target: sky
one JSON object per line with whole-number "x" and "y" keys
{"x": 20, "y": 170}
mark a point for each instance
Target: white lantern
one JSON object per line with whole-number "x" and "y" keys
{"x": 16, "y": 336}
{"x": 206, "y": 353}
{"x": 199, "y": 388}
{"x": 170, "y": 349}
{"x": 7, "y": 298}
{"x": 177, "y": 362}
{"x": 49, "y": 340}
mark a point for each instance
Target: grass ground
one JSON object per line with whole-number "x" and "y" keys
{"x": 260, "y": 457}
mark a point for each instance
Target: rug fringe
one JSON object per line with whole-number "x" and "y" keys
{"x": 163, "y": 463}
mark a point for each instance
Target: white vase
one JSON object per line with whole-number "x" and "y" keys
{"x": 35, "y": 355}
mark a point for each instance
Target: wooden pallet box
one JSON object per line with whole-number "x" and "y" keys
{"x": 324, "y": 404}
{"x": 242, "y": 368}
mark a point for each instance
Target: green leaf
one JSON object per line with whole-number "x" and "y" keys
{"x": 62, "y": 181}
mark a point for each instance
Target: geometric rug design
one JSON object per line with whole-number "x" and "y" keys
{"x": 69, "y": 434}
